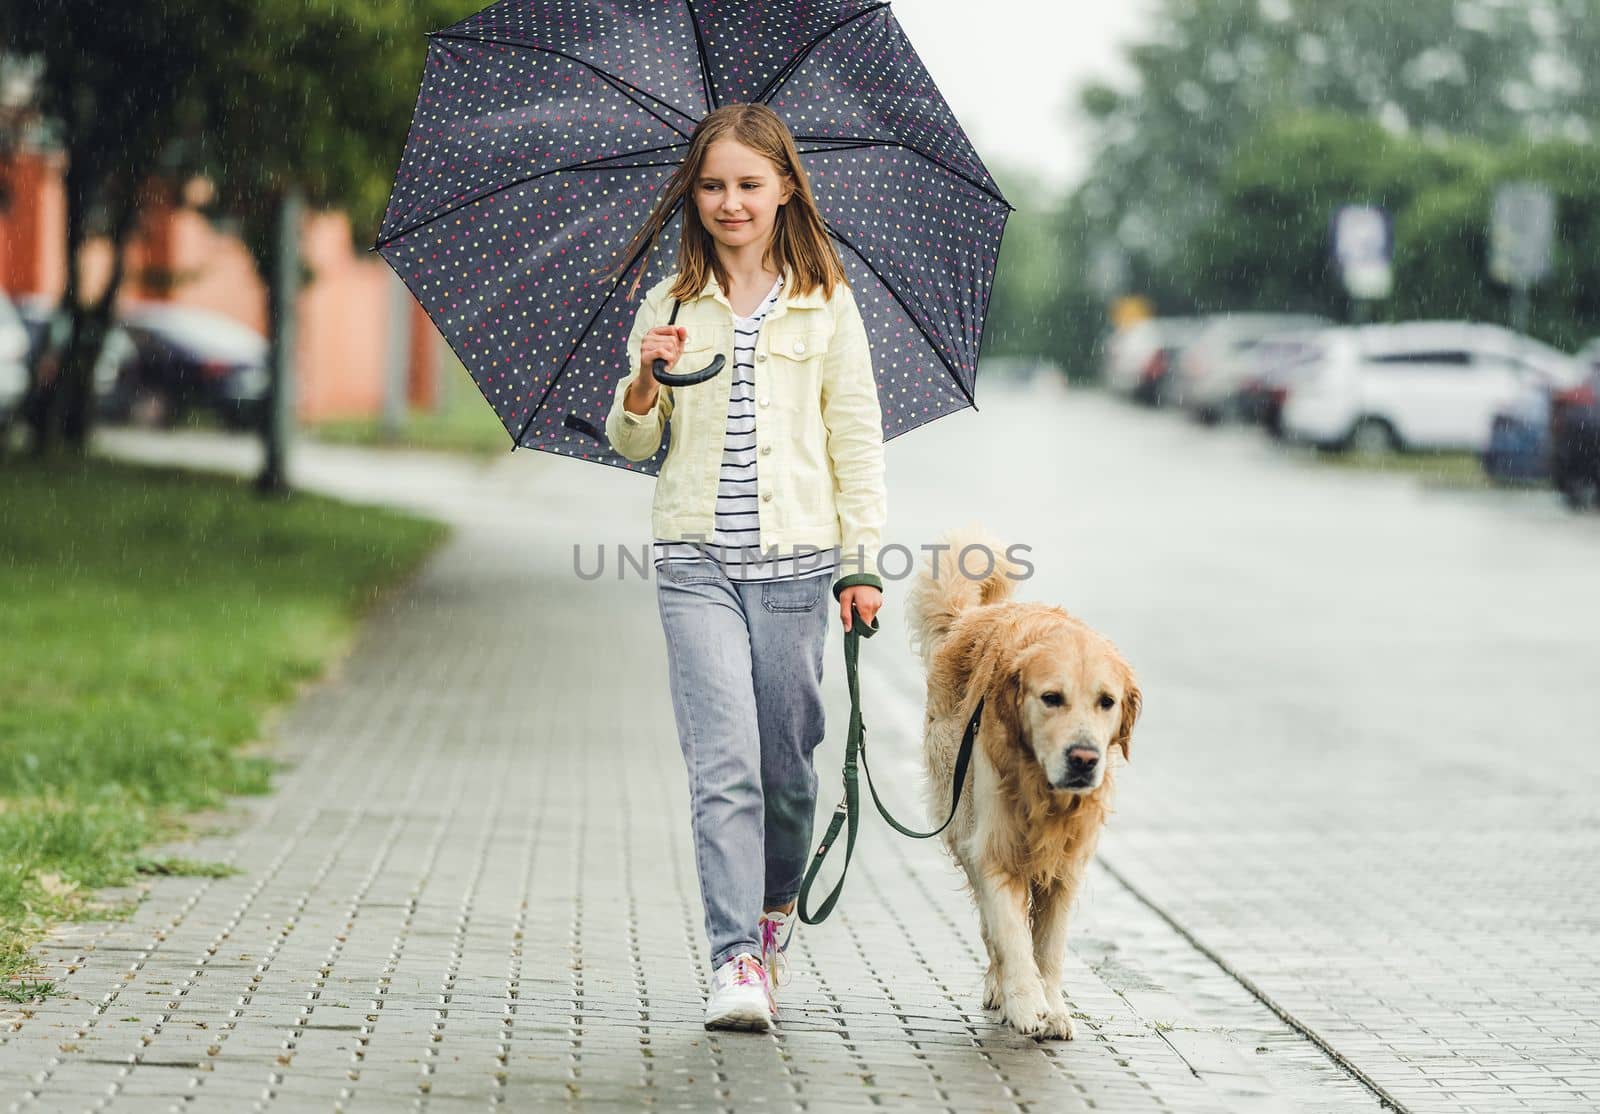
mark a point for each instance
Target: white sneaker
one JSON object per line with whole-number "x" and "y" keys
{"x": 740, "y": 997}
{"x": 775, "y": 929}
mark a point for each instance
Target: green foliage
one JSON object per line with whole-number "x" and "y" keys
{"x": 149, "y": 619}
{"x": 254, "y": 93}
{"x": 1218, "y": 170}
{"x": 1268, "y": 246}
{"x": 314, "y": 93}
{"x": 1028, "y": 272}
{"x": 1215, "y": 71}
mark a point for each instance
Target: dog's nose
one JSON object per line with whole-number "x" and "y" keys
{"x": 1081, "y": 761}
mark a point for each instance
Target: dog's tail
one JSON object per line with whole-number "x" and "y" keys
{"x": 974, "y": 570}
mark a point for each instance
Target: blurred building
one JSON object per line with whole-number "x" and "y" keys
{"x": 177, "y": 256}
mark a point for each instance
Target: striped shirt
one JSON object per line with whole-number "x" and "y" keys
{"x": 735, "y": 540}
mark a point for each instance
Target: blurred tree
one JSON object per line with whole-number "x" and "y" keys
{"x": 311, "y": 99}
{"x": 1442, "y": 245}
{"x": 1216, "y": 70}
{"x": 1028, "y": 274}
{"x": 1077, "y": 313}
{"x": 109, "y": 85}
{"x": 1267, "y": 248}
{"x": 257, "y": 95}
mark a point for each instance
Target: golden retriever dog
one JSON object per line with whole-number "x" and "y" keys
{"x": 1058, "y": 698}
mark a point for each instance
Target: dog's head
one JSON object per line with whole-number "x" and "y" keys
{"x": 1071, "y": 698}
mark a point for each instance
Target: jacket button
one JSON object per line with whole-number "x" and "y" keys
{"x": 765, "y": 449}
{"x": 761, "y": 355}
{"x": 799, "y": 346}
{"x": 765, "y": 401}
{"x": 766, "y": 496}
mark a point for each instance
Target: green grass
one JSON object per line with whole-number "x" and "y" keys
{"x": 1461, "y": 470}
{"x": 149, "y": 620}
{"x": 466, "y": 424}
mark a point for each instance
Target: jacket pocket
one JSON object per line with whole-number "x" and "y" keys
{"x": 797, "y": 343}
{"x": 697, "y": 352}
{"x": 795, "y": 369}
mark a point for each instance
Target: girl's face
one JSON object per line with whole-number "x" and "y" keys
{"x": 738, "y": 194}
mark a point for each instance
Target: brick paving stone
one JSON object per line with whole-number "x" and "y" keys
{"x": 473, "y": 885}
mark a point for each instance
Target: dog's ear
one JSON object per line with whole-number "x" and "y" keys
{"x": 1132, "y": 704}
{"x": 1004, "y": 699}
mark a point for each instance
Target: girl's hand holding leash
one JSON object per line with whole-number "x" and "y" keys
{"x": 867, "y": 600}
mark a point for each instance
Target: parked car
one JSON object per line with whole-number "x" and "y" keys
{"x": 1220, "y": 359}
{"x": 1277, "y": 362}
{"x": 193, "y": 357}
{"x": 1520, "y": 443}
{"x": 1519, "y": 436}
{"x": 1418, "y": 385}
{"x": 1140, "y": 358}
{"x": 13, "y": 360}
{"x": 1575, "y": 440}
{"x": 112, "y": 372}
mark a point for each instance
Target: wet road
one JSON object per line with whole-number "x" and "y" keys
{"x": 1365, "y": 778}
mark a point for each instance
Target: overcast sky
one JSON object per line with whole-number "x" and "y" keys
{"x": 1009, "y": 69}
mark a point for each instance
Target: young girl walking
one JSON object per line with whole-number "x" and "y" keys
{"x": 772, "y": 489}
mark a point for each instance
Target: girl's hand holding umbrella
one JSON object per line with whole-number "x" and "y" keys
{"x": 664, "y": 342}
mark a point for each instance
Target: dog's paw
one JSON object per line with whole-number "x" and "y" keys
{"x": 1028, "y": 1013}
{"x": 1058, "y": 1024}
{"x": 991, "y": 989}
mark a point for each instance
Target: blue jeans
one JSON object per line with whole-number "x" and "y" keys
{"x": 745, "y": 666}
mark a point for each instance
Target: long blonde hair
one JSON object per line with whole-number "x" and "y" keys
{"x": 799, "y": 240}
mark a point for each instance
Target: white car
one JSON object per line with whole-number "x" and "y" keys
{"x": 13, "y": 359}
{"x": 1139, "y": 358}
{"x": 1219, "y": 362}
{"x": 1418, "y": 385}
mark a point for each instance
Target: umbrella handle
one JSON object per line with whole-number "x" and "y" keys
{"x": 685, "y": 378}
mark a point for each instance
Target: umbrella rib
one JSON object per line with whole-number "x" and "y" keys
{"x": 775, "y": 82}
{"x": 858, "y": 142}
{"x": 576, "y": 166}
{"x": 556, "y": 378}
{"x": 910, "y": 316}
{"x": 788, "y": 71}
{"x": 707, "y": 85}
{"x": 606, "y": 74}
{"x": 988, "y": 302}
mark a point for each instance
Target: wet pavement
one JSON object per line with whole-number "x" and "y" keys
{"x": 1352, "y": 857}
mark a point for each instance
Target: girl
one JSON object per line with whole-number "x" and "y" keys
{"x": 772, "y": 487}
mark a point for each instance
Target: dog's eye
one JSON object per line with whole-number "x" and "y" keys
{"x": 1051, "y": 699}
{"x": 1106, "y": 701}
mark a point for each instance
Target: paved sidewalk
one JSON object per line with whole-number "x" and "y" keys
{"x": 474, "y": 887}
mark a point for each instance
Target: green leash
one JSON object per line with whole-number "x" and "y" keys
{"x": 846, "y": 815}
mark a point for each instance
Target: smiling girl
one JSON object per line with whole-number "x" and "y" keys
{"x": 772, "y": 489}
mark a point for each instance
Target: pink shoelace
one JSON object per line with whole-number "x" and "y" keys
{"x": 742, "y": 975}
{"x": 772, "y": 952}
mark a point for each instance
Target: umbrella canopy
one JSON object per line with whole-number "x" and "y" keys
{"x": 544, "y": 132}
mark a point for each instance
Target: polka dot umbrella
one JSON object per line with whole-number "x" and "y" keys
{"x": 545, "y": 130}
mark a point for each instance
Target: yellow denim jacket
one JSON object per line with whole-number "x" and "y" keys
{"x": 819, "y": 427}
